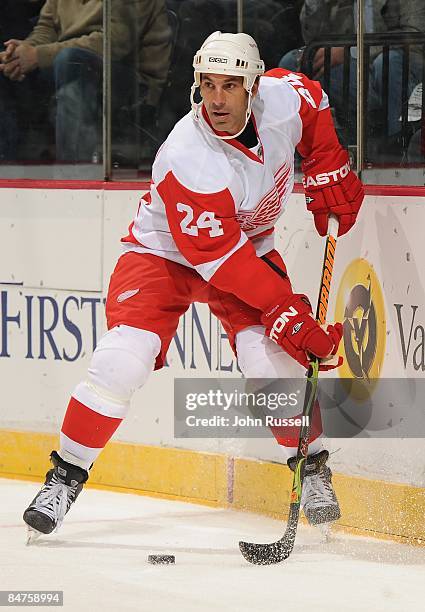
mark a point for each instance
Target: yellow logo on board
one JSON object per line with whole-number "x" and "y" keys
{"x": 360, "y": 307}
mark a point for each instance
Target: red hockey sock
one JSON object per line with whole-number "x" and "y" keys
{"x": 87, "y": 427}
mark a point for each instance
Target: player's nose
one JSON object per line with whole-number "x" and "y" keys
{"x": 219, "y": 98}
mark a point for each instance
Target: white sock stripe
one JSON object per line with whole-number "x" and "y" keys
{"x": 76, "y": 453}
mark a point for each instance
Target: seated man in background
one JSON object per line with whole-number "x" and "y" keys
{"x": 17, "y": 19}
{"x": 64, "y": 55}
{"x": 320, "y": 18}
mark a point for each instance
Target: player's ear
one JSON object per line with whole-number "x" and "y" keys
{"x": 255, "y": 87}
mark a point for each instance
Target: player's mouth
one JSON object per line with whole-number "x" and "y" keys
{"x": 220, "y": 115}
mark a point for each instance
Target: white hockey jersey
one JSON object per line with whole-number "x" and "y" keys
{"x": 210, "y": 198}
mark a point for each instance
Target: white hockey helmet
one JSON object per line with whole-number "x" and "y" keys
{"x": 225, "y": 53}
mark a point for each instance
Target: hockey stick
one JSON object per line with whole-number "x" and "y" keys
{"x": 275, "y": 552}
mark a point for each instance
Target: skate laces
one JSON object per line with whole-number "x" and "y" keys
{"x": 317, "y": 491}
{"x": 55, "y": 499}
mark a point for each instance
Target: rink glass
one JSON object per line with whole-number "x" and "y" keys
{"x": 142, "y": 86}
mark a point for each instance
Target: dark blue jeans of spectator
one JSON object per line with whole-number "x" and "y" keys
{"x": 23, "y": 105}
{"x": 375, "y": 95}
{"x": 8, "y": 121}
{"x": 78, "y": 82}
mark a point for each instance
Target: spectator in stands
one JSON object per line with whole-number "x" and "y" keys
{"x": 64, "y": 52}
{"x": 320, "y": 18}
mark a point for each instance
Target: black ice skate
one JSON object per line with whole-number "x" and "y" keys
{"x": 61, "y": 488}
{"x": 318, "y": 499}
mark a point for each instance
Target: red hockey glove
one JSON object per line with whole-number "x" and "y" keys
{"x": 291, "y": 325}
{"x": 338, "y": 192}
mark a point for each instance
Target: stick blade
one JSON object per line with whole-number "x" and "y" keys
{"x": 265, "y": 554}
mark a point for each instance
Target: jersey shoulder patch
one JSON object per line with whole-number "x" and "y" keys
{"x": 309, "y": 92}
{"x": 278, "y": 97}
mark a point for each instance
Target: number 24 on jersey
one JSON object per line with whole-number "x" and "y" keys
{"x": 206, "y": 220}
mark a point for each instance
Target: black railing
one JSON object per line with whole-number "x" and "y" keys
{"x": 382, "y": 43}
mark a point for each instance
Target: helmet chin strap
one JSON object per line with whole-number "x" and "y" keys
{"x": 197, "y": 106}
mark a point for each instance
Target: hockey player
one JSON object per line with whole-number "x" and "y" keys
{"x": 204, "y": 233}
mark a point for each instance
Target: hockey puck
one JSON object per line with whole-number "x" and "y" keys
{"x": 161, "y": 559}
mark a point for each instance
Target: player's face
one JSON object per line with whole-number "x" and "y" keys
{"x": 225, "y": 101}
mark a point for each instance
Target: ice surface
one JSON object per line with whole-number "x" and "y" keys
{"x": 99, "y": 560}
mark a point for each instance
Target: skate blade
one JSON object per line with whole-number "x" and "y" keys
{"x": 32, "y": 535}
{"x": 325, "y": 530}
